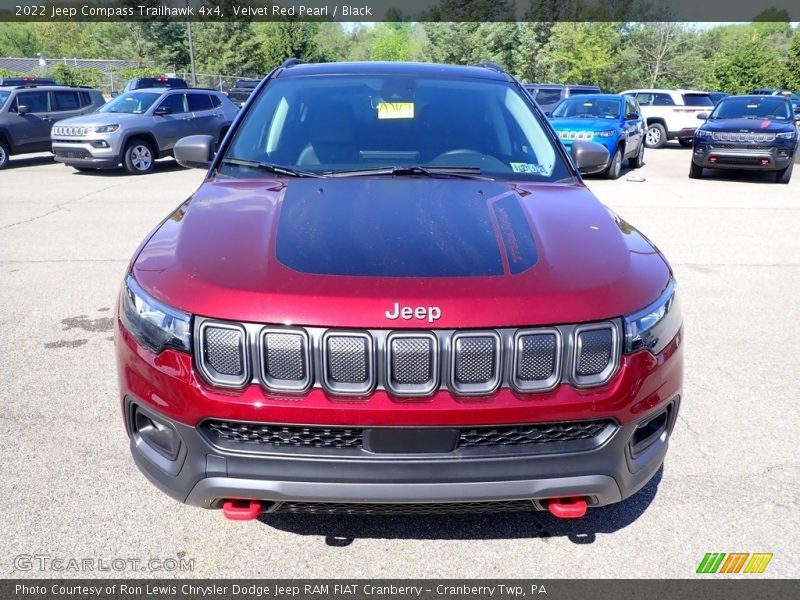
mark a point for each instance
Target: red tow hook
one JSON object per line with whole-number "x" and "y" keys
{"x": 241, "y": 510}
{"x": 567, "y": 508}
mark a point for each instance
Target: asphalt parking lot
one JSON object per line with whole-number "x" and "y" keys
{"x": 729, "y": 484}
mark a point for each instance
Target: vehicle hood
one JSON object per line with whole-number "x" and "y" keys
{"x": 584, "y": 124}
{"x": 342, "y": 252}
{"x": 97, "y": 118}
{"x": 748, "y": 125}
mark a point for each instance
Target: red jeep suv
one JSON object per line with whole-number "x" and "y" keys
{"x": 393, "y": 292}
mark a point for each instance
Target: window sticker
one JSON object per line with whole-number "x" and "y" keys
{"x": 528, "y": 168}
{"x": 395, "y": 110}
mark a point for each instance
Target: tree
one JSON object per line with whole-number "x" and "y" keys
{"x": 792, "y": 71}
{"x": 279, "y": 40}
{"x": 585, "y": 53}
{"x": 747, "y": 66}
{"x": 665, "y": 54}
{"x": 391, "y": 41}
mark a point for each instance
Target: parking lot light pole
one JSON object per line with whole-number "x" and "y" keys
{"x": 191, "y": 52}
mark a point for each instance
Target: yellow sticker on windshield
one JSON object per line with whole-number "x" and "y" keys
{"x": 395, "y": 110}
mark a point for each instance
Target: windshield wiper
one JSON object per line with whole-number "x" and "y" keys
{"x": 272, "y": 168}
{"x": 457, "y": 172}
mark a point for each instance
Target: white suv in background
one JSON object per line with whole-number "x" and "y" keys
{"x": 671, "y": 114}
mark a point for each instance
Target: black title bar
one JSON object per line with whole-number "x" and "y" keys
{"x": 400, "y": 10}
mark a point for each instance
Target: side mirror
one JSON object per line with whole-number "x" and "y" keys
{"x": 194, "y": 151}
{"x": 162, "y": 110}
{"x": 632, "y": 116}
{"x": 114, "y": 94}
{"x": 703, "y": 116}
{"x": 23, "y": 109}
{"x": 589, "y": 157}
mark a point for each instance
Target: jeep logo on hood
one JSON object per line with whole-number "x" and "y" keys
{"x": 431, "y": 313}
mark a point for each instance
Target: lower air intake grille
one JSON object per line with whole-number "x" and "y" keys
{"x": 266, "y": 436}
{"x": 257, "y": 434}
{"x": 529, "y": 434}
{"x": 333, "y": 508}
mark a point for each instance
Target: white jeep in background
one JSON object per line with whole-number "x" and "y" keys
{"x": 671, "y": 114}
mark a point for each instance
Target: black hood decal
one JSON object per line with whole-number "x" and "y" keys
{"x": 389, "y": 227}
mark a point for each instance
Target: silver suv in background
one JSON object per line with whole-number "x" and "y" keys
{"x": 138, "y": 127}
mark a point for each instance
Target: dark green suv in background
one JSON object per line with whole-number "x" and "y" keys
{"x": 27, "y": 113}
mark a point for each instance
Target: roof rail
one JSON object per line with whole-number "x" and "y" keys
{"x": 290, "y": 62}
{"x": 487, "y": 64}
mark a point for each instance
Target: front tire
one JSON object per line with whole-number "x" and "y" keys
{"x": 695, "y": 171}
{"x": 4, "y": 154}
{"x": 784, "y": 175}
{"x": 656, "y": 136}
{"x": 138, "y": 158}
{"x": 637, "y": 162}
{"x": 615, "y": 165}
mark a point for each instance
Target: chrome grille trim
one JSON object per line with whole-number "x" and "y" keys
{"x": 354, "y": 388}
{"x": 283, "y": 384}
{"x": 207, "y": 370}
{"x": 536, "y": 385}
{"x": 494, "y": 378}
{"x": 412, "y": 389}
{"x": 604, "y": 375}
{"x": 379, "y": 362}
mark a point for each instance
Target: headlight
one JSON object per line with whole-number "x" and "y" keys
{"x": 653, "y": 327}
{"x": 789, "y": 135}
{"x": 609, "y": 133}
{"x": 105, "y": 128}
{"x": 701, "y": 133}
{"x": 154, "y": 324}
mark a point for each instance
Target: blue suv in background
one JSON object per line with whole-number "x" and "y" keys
{"x": 609, "y": 119}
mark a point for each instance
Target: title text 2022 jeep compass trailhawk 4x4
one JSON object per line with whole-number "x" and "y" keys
{"x": 394, "y": 292}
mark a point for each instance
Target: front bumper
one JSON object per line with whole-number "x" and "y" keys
{"x": 605, "y": 469}
{"x": 757, "y": 157}
{"x": 202, "y": 475}
{"x": 87, "y": 153}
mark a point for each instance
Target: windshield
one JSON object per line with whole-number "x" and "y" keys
{"x": 762, "y": 107}
{"x": 135, "y": 103}
{"x": 590, "y": 108}
{"x": 3, "y": 97}
{"x": 330, "y": 125}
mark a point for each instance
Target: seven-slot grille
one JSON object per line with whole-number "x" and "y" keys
{"x": 742, "y": 136}
{"x": 406, "y": 363}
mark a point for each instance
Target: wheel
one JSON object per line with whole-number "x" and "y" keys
{"x": 656, "y": 136}
{"x": 4, "y": 154}
{"x": 615, "y": 165}
{"x": 784, "y": 175}
{"x": 637, "y": 162}
{"x": 695, "y": 171}
{"x": 138, "y": 157}
{"x": 685, "y": 142}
